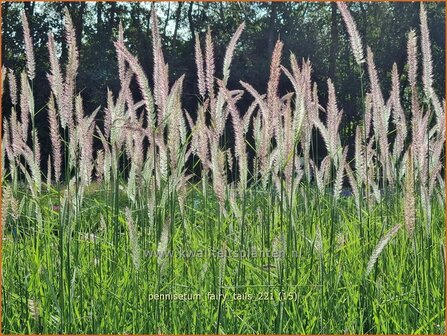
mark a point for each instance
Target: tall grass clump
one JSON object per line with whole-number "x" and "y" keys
{"x": 121, "y": 235}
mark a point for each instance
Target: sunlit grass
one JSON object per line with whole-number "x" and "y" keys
{"x": 321, "y": 282}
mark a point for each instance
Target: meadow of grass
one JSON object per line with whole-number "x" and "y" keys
{"x": 121, "y": 235}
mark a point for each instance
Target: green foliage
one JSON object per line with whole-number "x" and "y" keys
{"x": 322, "y": 278}
{"x": 243, "y": 213}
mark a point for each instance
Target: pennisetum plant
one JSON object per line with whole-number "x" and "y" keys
{"x": 268, "y": 186}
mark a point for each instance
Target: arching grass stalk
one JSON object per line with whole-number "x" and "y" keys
{"x": 241, "y": 247}
{"x": 281, "y": 264}
{"x": 221, "y": 269}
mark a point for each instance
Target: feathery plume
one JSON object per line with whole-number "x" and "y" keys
{"x": 55, "y": 75}
{"x": 107, "y": 156}
{"x": 368, "y": 114}
{"x": 199, "y": 141}
{"x": 200, "y": 67}
{"x": 64, "y": 90}
{"x": 29, "y": 50}
{"x": 49, "y": 172}
{"x": 379, "y": 248}
{"x": 427, "y": 63}
{"x": 133, "y": 238}
{"x": 409, "y": 200}
{"x": 412, "y": 57}
{"x": 163, "y": 244}
{"x": 175, "y": 122}
{"x": 73, "y": 54}
{"x": 3, "y": 157}
{"x": 247, "y": 116}
{"x": 338, "y": 183}
{"x": 34, "y": 308}
{"x": 86, "y": 145}
{"x": 229, "y": 160}
{"x": 37, "y": 151}
{"x": 275, "y": 72}
{"x": 354, "y": 186}
{"x": 21, "y": 148}
{"x": 161, "y": 81}
{"x": 354, "y": 36}
{"x": 79, "y": 110}
{"x": 376, "y": 93}
{"x": 121, "y": 62}
{"x": 322, "y": 173}
{"x": 398, "y": 114}
{"x": 4, "y": 71}
{"x": 238, "y": 128}
{"x": 6, "y": 202}
{"x": 230, "y": 51}
{"x": 380, "y": 116}
{"x": 16, "y": 132}
{"x": 333, "y": 119}
{"x": 108, "y": 114}
{"x": 14, "y": 206}
{"x": 99, "y": 165}
{"x": 12, "y": 87}
{"x": 219, "y": 178}
{"x": 25, "y": 104}
{"x": 360, "y": 166}
{"x": 209, "y": 61}
{"x": 142, "y": 82}
{"x": 330, "y": 132}
{"x": 7, "y": 142}
{"x": 318, "y": 242}
{"x": 55, "y": 139}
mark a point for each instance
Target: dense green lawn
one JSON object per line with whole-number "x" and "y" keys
{"x": 153, "y": 219}
{"x": 303, "y": 271}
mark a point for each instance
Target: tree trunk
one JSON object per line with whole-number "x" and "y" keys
{"x": 167, "y": 18}
{"x": 272, "y": 31}
{"x": 334, "y": 42}
{"x": 364, "y": 27}
{"x": 77, "y": 12}
{"x": 222, "y": 11}
{"x": 191, "y": 22}
{"x": 177, "y": 22}
{"x": 29, "y": 10}
{"x": 5, "y": 24}
{"x": 99, "y": 18}
{"x": 112, "y": 22}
